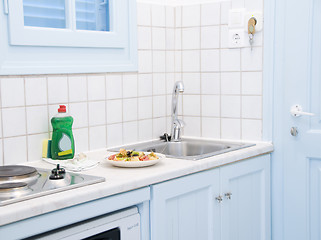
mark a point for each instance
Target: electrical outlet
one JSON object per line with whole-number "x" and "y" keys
{"x": 236, "y": 38}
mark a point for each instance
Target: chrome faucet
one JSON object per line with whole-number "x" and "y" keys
{"x": 177, "y": 124}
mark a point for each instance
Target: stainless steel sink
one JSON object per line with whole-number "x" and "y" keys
{"x": 189, "y": 149}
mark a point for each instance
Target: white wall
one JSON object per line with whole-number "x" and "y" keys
{"x": 178, "y": 2}
{"x": 223, "y": 97}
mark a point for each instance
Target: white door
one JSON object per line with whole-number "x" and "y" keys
{"x": 297, "y": 157}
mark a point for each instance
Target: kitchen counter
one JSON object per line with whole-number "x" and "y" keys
{"x": 119, "y": 180}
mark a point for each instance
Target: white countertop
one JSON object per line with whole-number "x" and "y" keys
{"x": 120, "y": 180}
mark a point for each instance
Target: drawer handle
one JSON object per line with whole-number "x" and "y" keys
{"x": 219, "y": 199}
{"x": 228, "y": 195}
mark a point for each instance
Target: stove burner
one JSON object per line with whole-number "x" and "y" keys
{"x": 12, "y": 186}
{"x": 14, "y": 190}
{"x": 17, "y": 173}
{"x": 16, "y": 170}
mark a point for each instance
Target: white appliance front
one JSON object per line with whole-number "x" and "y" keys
{"x": 124, "y": 225}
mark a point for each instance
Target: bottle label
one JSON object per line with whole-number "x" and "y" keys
{"x": 64, "y": 143}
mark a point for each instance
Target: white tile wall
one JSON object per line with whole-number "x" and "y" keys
{"x": 15, "y": 150}
{"x": 130, "y": 109}
{"x": 191, "y": 38}
{"x": 39, "y": 85}
{"x": 97, "y": 113}
{"x": 79, "y": 111}
{"x": 96, "y": 87}
{"x": 210, "y": 37}
{"x": 222, "y": 99}
{"x": 130, "y": 132}
{"x": 210, "y": 60}
{"x": 145, "y": 130}
{"x": 228, "y": 81}
{"x": 37, "y": 119}
{"x": 77, "y": 86}
{"x": 193, "y": 126}
{"x": 97, "y": 137}
{"x": 57, "y": 89}
{"x": 12, "y": 92}
{"x": 191, "y": 15}
{"x": 210, "y": 14}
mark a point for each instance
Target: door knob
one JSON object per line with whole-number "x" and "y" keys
{"x": 296, "y": 111}
{"x": 294, "y": 131}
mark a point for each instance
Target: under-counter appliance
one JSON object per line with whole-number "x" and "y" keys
{"x": 120, "y": 225}
{"x": 18, "y": 183}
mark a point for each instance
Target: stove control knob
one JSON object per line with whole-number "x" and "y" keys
{"x": 57, "y": 173}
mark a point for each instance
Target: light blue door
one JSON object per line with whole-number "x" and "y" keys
{"x": 297, "y": 158}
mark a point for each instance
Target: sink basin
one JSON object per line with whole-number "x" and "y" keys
{"x": 189, "y": 149}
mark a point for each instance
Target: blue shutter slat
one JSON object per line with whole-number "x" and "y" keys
{"x": 43, "y": 13}
{"x": 92, "y": 15}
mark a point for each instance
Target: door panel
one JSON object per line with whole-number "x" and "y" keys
{"x": 246, "y": 216}
{"x": 315, "y": 198}
{"x": 184, "y": 208}
{"x": 315, "y": 60}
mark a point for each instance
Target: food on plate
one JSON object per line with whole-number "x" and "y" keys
{"x": 125, "y": 155}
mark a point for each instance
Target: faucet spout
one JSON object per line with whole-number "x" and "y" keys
{"x": 177, "y": 124}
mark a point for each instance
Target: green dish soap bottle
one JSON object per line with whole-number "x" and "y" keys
{"x": 62, "y": 146}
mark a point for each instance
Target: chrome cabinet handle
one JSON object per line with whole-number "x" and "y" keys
{"x": 219, "y": 199}
{"x": 296, "y": 111}
{"x": 228, "y": 195}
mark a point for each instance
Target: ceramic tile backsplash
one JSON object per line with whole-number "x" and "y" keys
{"x": 12, "y": 92}
{"x": 222, "y": 99}
{"x": 229, "y": 81}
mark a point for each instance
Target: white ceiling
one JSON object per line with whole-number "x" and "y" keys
{"x": 179, "y": 2}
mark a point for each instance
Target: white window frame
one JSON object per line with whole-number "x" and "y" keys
{"x": 32, "y": 50}
{"x": 70, "y": 36}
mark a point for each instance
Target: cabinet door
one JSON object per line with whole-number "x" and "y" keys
{"x": 184, "y": 208}
{"x": 246, "y": 215}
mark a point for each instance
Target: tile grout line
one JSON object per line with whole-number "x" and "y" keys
{"x": 220, "y": 77}
{"x": 26, "y": 119}
{"x": 48, "y": 112}
{"x": 200, "y": 70}
{"x": 2, "y": 140}
{"x": 152, "y": 76}
{"x": 105, "y": 109}
{"x": 87, "y": 103}
{"x": 220, "y": 74}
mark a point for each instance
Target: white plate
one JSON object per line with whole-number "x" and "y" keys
{"x": 136, "y": 164}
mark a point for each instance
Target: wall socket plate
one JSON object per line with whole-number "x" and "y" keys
{"x": 236, "y": 38}
{"x": 236, "y": 18}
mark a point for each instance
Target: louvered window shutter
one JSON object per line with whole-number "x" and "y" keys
{"x": 92, "y": 15}
{"x": 44, "y": 13}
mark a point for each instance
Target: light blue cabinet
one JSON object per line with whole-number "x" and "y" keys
{"x": 184, "y": 208}
{"x": 229, "y": 203}
{"x": 246, "y": 200}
